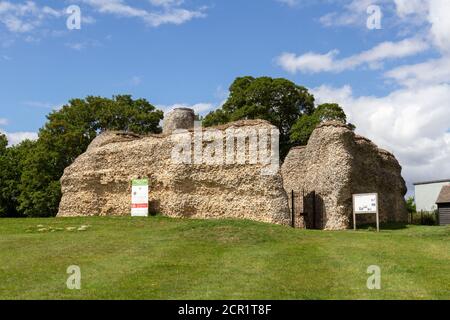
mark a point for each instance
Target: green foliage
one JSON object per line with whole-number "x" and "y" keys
{"x": 3, "y": 143}
{"x": 425, "y": 218}
{"x": 288, "y": 106}
{"x": 66, "y": 135}
{"x": 70, "y": 130}
{"x": 11, "y": 166}
{"x": 278, "y": 101}
{"x": 430, "y": 218}
{"x": 39, "y": 186}
{"x": 4, "y": 168}
{"x": 303, "y": 128}
{"x": 411, "y": 205}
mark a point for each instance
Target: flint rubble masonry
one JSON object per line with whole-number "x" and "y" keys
{"x": 98, "y": 183}
{"x": 336, "y": 163}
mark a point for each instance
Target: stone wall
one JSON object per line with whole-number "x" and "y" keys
{"x": 98, "y": 183}
{"x": 179, "y": 118}
{"x": 336, "y": 164}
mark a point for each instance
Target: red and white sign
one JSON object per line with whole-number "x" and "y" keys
{"x": 139, "y": 198}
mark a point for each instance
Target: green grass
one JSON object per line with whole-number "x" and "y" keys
{"x": 162, "y": 258}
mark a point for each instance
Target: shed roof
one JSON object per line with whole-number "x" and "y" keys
{"x": 444, "y": 196}
{"x": 431, "y": 182}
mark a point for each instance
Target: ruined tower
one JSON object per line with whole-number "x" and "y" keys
{"x": 179, "y": 118}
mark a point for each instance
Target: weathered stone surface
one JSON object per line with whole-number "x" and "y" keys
{"x": 336, "y": 164}
{"x": 180, "y": 118}
{"x": 98, "y": 183}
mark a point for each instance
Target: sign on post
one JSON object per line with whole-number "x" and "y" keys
{"x": 139, "y": 198}
{"x": 366, "y": 203}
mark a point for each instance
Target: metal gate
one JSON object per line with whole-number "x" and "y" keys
{"x": 306, "y": 210}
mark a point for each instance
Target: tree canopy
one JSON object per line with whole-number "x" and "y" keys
{"x": 411, "y": 205}
{"x": 286, "y": 105}
{"x": 66, "y": 134}
{"x": 3, "y": 143}
{"x": 305, "y": 125}
{"x": 11, "y": 167}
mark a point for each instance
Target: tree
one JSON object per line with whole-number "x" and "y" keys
{"x": 278, "y": 101}
{"x": 39, "y": 183}
{"x": 303, "y": 128}
{"x": 3, "y": 175}
{"x": 11, "y": 164}
{"x": 288, "y": 106}
{"x": 3, "y": 143}
{"x": 67, "y": 134}
{"x": 411, "y": 205}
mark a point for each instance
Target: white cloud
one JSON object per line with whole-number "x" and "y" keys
{"x": 309, "y": 62}
{"x": 410, "y": 14}
{"x": 434, "y": 71}
{"x": 413, "y": 124}
{"x": 431, "y": 13}
{"x": 404, "y": 14}
{"x": 405, "y": 8}
{"x": 117, "y": 7}
{"x": 41, "y": 104}
{"x": 353, "y": 13}
{"x": 314, "y": 62}
{"x": 166, "y": 3}
{"x": 290, "y": 3}
{"x": 435, "y": 14}
{"x": 438, "y": 17}
{"x": 17, "y": 137}
{"x": 25, "y": 16}
{"x": 413, "y": 121}
{"x": 87, "y": 19}
{"x": 3, "y": 122}
{"x": 82, "y": 45}
{"x": 171, "y": 13}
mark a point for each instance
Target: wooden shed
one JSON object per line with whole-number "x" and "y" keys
{"x": 443, "y": 203}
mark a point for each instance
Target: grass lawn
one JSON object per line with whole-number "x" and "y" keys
{"x": 162, "y": 258}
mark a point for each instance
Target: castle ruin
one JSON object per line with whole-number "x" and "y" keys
{"x": 335, "y": 164}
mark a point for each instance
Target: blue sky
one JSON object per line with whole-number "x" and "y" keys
{"x": 393, "y": 82}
